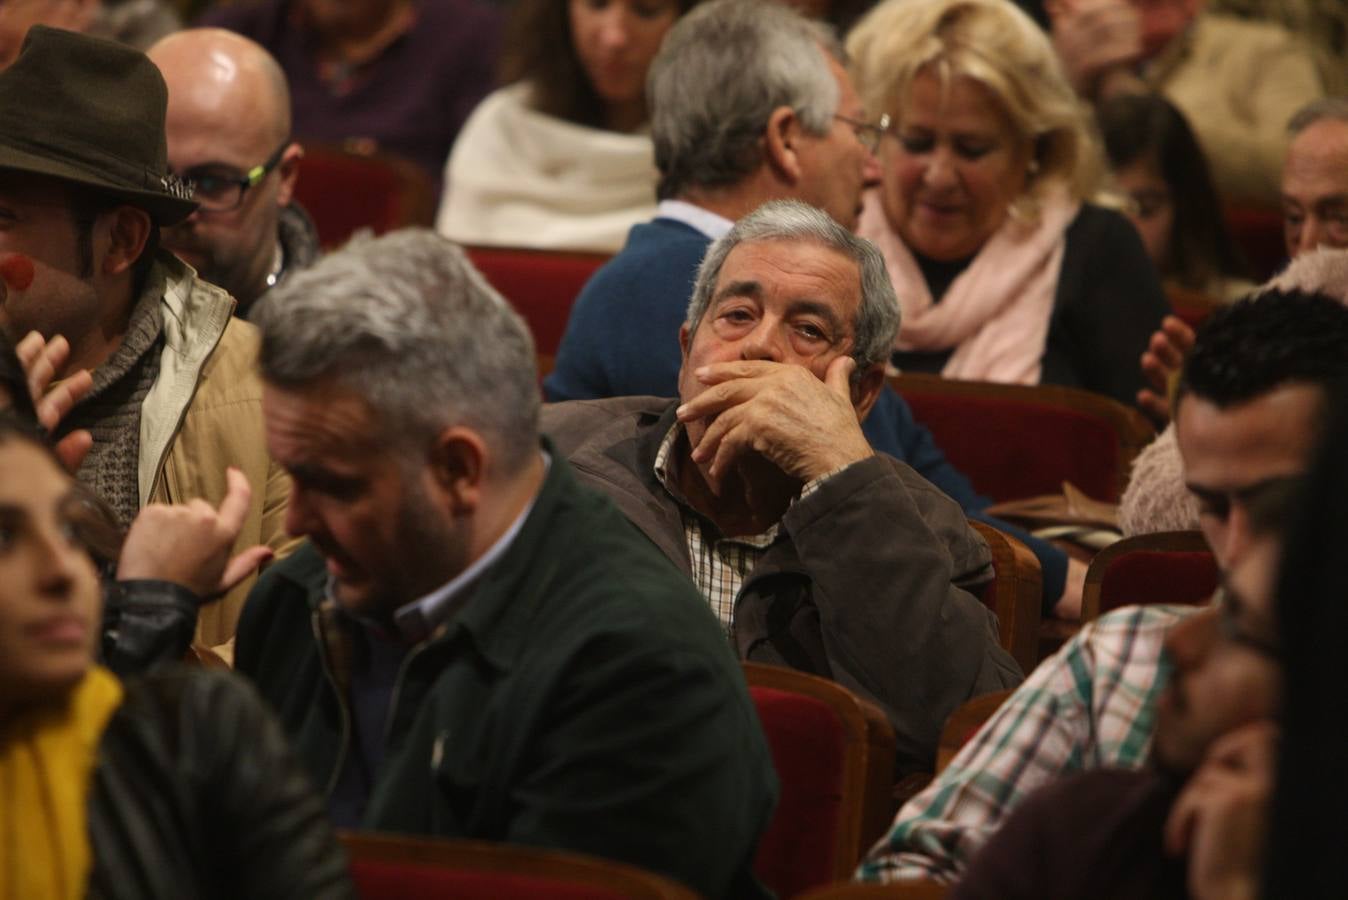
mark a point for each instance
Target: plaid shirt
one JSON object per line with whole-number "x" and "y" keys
{"x": 1092, "y": 704}
{"x": 720, "y": 565}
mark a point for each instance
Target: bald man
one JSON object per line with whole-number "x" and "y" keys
{"x": 229, "y": 132}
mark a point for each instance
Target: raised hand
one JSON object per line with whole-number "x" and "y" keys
{"x": 42, "y": 360}
{"x": 1094, "y": 39}
{"x": 189, "y": 543}
{"x": 1220, "y": 819}
{"x": 804, "y": 426}
{"x": 1160, "y": 362}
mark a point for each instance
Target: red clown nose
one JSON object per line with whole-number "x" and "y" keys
{"x": 17, "y": 271}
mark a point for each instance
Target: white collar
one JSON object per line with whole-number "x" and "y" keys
{"x": 703, "y": 220}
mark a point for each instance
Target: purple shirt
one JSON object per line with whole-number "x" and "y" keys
{"x": 409, "y": 101}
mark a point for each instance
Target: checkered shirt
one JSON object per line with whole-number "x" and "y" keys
{"x": 720, "y": 565}
{"x": 1090, "y": 705}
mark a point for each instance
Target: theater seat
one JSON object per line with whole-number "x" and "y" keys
{"x": 834, "y": 755}
{"x": 1015, "y": 594}
{"x": 399, "y": 867}
{"x": 541, "y": 285}
{"x": 1015, "y": 440}
{"x": 1166, "y": 567}
{"x": 344, "y": 191}
{"x": 1259, "y": 235}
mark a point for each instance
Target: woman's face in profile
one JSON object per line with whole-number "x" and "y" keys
{"x": 49, "y": 592}
{"x": 952, "y": 168}
{"x": 616, "y": 41}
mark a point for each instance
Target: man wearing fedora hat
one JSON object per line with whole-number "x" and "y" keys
{"x": 84, "y": 190}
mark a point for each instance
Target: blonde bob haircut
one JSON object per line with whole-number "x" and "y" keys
{"x": 998, "y": 46}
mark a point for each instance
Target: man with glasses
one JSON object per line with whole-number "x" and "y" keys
{"x": 228, "y": 134}
{"x": 85, "y": 189}
{"x": 733, "y": 128}
{"x": 1250, "y": 402}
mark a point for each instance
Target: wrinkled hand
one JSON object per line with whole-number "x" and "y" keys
{"x": 189, "y": 543}
{"x": 41, "y": 360}
{"x": 1220, "y": 820}
{"x": 1094, "y": 37}
{"x": 1160, "y": 362}
{"x": 804, "y": 426}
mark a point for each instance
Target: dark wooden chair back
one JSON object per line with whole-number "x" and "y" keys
{"x": 834, "y": 755}
{"x": 1014, "y": 594}
{"x": 394, "y": 867}
{"x": 964, "y": 723}
{"x": 1166, "y": 567}
{"x": 1016, "y": 440}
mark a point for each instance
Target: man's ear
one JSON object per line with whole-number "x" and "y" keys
{"x": 866, "y": 390}
{"x": 128, "y": 231}
{"x": 458, "y": 466}
{"x": 782, "y": 144}
{"x": 287, "y": 172}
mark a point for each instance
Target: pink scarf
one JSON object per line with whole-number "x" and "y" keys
{"x": 996, "y": 312}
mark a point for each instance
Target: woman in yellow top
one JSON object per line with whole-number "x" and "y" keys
{"x": 172, "y": 784}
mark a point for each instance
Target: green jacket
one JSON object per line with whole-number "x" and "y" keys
{"x": 584, "y": 698}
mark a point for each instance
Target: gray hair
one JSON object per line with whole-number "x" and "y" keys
{"x": 877, "y": 319}
{"x": 720, "y": 73}
{"x": 409, "y": 325}
{"x": 1335, "y": 108}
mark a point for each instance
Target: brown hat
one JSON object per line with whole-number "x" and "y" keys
{"x": 91, "y": 112}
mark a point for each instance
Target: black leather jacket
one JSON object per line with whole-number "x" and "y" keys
{"x": 196, "y": 792}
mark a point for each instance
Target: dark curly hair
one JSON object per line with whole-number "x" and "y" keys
{"x": 1265, "y": 341}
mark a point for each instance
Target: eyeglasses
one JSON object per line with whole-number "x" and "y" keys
{"x": 867, "y": 133}
{"x": 222, "y": 190}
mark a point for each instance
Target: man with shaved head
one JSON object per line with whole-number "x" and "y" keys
{"x": 228, "y": 132}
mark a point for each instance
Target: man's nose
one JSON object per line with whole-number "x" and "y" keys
{"x": 1236, "y": 537}
{"x": 299, "y": 517}
{"x": 1312, "y": 234}
{"x": 764, "y": 342}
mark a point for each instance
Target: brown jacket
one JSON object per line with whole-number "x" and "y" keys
{"x": 203, "y": 414}
{"x": 864, "y": 584}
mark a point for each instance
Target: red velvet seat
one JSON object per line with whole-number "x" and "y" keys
{"x": 1015, "y": 441}
{"x": 344, "y": 191}
{"x": 396, "y": 867}
{"x": 834, "y": 755}
{"x": 1259, "y": 235}
{"x": 1167, "y": 567}
{"x": 541, "y": 285}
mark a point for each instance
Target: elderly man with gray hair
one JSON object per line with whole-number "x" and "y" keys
{"x": 749, "y": 103}
{"x": 816, "y": 552}
{"x": 471, "y": 644}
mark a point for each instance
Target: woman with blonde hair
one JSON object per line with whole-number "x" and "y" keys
{"x": 1003, "y": 268}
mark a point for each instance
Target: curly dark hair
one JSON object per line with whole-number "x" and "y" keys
{"x": 1265, "y": 341}
{"x": 537, "y": 48}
